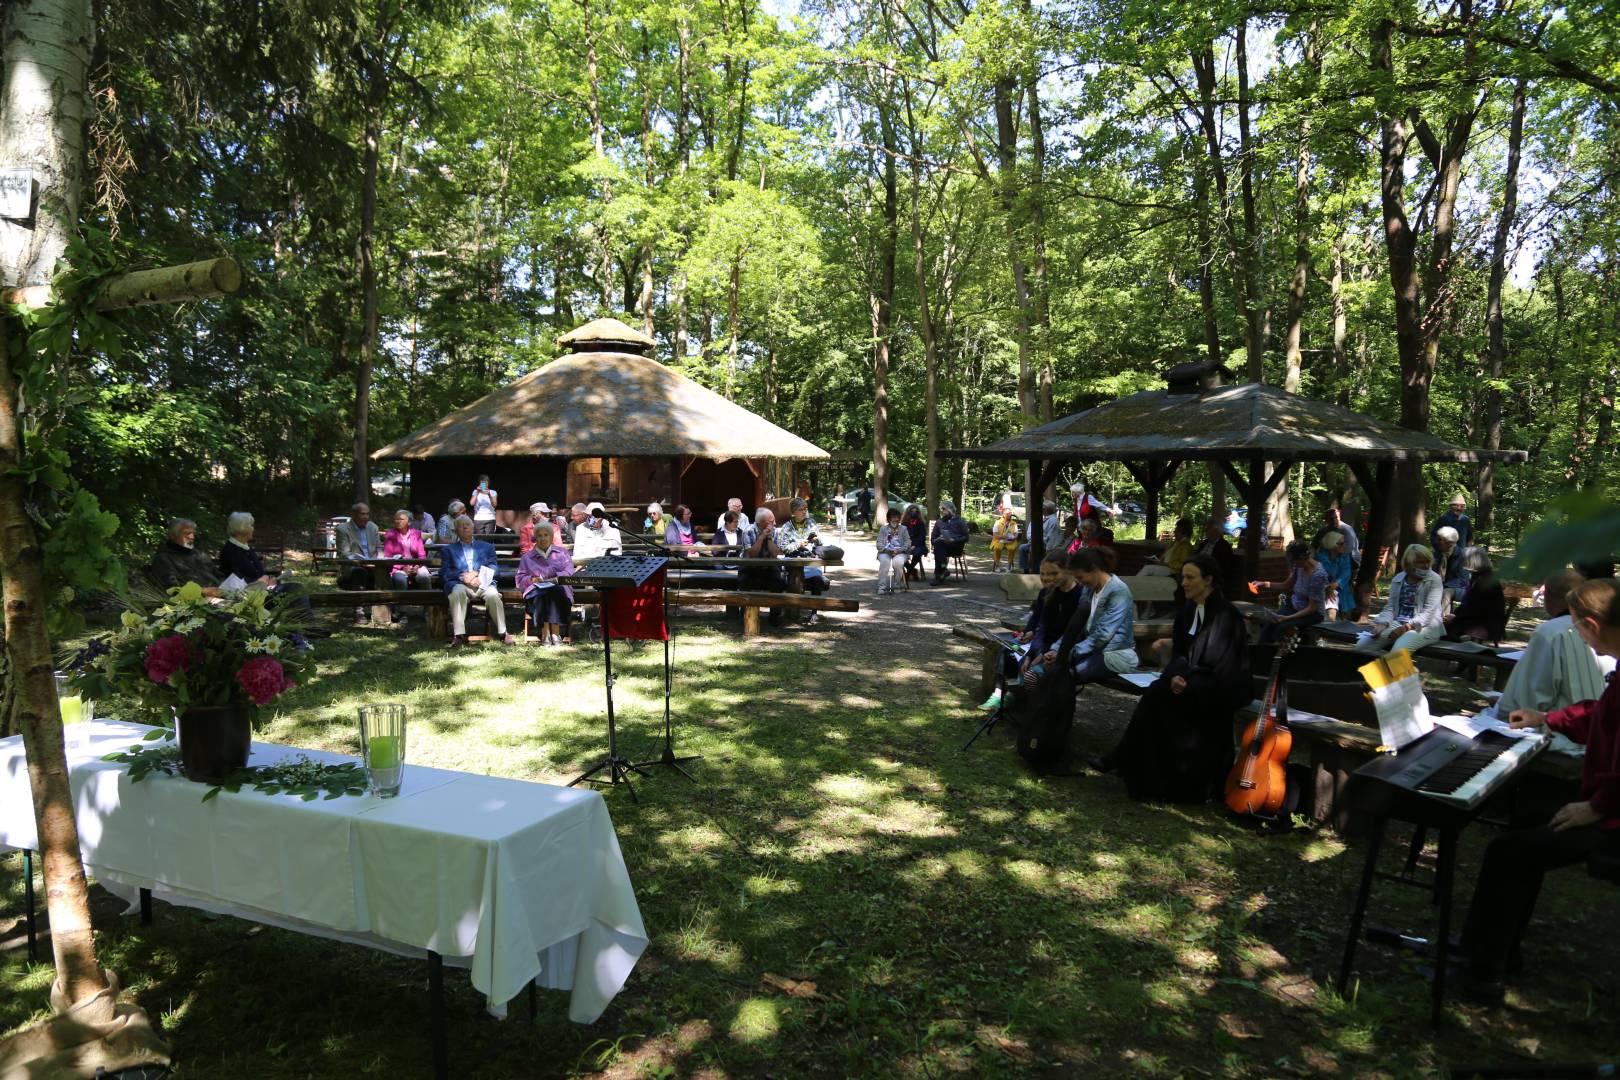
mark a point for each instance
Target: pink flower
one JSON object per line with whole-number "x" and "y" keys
{"x": 263, "y": 678}
{"x": 167, "y": 655}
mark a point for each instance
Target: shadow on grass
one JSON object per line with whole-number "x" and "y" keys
{"x": 842, "y": 892}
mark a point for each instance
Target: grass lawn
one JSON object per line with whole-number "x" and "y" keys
{"x": 954, "y": 914}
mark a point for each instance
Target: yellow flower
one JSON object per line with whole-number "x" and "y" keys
{"x": 131, "y": 620}
{"x": 189, "y": 593}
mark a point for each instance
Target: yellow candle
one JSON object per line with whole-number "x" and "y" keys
{"x": 72, "y": 709}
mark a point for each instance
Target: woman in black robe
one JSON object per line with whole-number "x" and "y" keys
{"x": 1178, "y": 746}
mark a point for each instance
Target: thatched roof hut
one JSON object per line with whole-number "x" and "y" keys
{"x": 602, "y": 422}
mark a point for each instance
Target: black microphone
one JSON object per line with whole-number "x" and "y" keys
{"x": 612, "y": 519}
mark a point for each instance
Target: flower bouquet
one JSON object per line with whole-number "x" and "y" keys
{"x": 207, "y": 663}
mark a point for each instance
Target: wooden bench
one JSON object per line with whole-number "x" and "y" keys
{"x": 1460, "y": 653}
{"x": 436, "y": 605}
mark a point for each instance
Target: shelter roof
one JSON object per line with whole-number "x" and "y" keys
{"x": 1249, "y": 421}
{"x": 602, "y": 404}
{"x": 602, "y": 332}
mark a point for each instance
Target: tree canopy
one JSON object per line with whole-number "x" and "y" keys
{"x": 977, "y": 215}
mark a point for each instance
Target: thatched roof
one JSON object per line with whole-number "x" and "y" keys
{"x": 1212, "y": 422}
{"x": 606, "y": 335}
{"x": 602, "y": 404}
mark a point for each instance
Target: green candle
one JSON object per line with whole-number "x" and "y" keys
{"x": 384, "y": 752}
{"x": 72, "y": 709}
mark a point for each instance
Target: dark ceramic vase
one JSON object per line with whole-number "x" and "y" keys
{"x": 214, "y": 739}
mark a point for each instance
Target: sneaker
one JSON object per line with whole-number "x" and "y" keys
{"x": 991, "y": 702}
{"x": 815, "y": 617}
{"x": 457, "y": 641}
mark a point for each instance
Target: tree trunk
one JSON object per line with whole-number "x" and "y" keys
{"x": 732, "y": 299}
{"x": 604, "y": 247}
{"x": 925, "y": 325}
{"x": 377, "y": 87}
{"x": 1037, "y": 220}
{"x": 1297, "y": 286}
{"x": 1496, "y": 346}
{"x": 43, "y": 105}
{"x": 1341, "y": 356}
{"x": 1252, "y": 254}
{"x": 882, "y": 301}
{"x": 44, "y": 60}
{"x": 1400, "y": 246}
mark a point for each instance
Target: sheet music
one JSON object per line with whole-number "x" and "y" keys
{"x": 1144, "y": 679}
{"x": 233, "y": 584}
{"x": 1511, "y": 654}
{"x": 1474, "y": 726}
{"x": 1403, "y": 711}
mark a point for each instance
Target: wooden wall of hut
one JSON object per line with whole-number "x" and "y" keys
{"x": 519, "y": 481}
{"x": 706, "y": 485}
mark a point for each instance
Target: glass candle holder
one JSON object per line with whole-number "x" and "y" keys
{"x": 75, "y": 708}
{"x": 382, "y": 747}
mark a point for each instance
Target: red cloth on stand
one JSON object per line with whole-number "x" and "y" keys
{"x": 638, "y": 614}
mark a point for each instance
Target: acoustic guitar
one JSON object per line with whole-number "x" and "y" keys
{"x": 1258, "y": 782}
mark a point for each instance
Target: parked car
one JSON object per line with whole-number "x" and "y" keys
{"x": 1014, "y": 499}
{"x": 897, "y": 504}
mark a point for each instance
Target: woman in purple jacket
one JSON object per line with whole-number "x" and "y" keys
{"x": 539, "y": 575}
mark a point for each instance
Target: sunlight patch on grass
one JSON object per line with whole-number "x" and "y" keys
{"x": 1030, "y": 874}
{"x": 967, "y": 864}
{"x": 1198, "y": 958}
{"x": 756, "y": 1020}
{"x": 850, "y": 789}
{"x": 1321, "y": 848}
{"x": 761, "y": 885}
{"x": 696, "y": 839}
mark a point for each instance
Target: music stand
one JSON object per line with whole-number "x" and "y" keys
{"x": 609, "y": 572}
{"x": 668, "y": 757}
{"x": 1008, "y": 646}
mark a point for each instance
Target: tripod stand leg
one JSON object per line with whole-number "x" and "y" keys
{"x": 668, "y": 756}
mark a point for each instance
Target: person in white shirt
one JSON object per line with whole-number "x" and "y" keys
{"x": 733, "y": 506}
{"x": 1558, "y": 669}
{"x": 484, "y": 501}
{"x": 1411, "y": 617}
{"x": 595, "y": 536}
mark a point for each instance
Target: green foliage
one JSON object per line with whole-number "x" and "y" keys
{"x": 302, "y": 775}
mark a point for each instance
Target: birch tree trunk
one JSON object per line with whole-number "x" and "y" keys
{"x": 372, "y": 136}
{"x": 882, "y": 304}
{"x": 46, "y": 55}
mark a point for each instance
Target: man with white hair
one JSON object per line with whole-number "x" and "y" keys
{"x": 468, "y": 573}
{"x": 446, "y": 531}
{"x": 595, "y": 536}
{"x": 765, "y": 545}
{"x": 178, "y": 561}
{"x": 735, "y": 505}
{"x": 358, "y": 538}
{"x": 571, "y": 522}
{"x": 1448, "y": 563}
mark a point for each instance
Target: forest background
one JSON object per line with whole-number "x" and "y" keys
{"x": 886, "y": 225}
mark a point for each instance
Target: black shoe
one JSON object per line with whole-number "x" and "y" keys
{"x": 1100, "y": 763}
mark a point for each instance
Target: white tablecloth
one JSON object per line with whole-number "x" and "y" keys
{"x": 518, "y": 881}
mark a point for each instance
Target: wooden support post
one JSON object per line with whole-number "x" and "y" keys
{"x": 750, "y": 622}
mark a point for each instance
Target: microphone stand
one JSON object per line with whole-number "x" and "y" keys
{"x": 668, "y": 757}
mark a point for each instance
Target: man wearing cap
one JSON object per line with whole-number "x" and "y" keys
{"x": 594, "y": 536}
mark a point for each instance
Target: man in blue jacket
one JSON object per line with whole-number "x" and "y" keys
{"x": 950, "y": 537}
{"x": 468, "y": 573}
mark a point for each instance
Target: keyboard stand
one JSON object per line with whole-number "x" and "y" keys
{"x": 1440, "y": 887}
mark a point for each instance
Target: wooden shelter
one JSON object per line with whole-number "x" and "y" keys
{"x": 1255, "y": 432}
{"x": 603, "y": 422}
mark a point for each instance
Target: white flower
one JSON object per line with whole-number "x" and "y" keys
{"x": 186, "y": 626}
{"x": 269, "y": 646}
